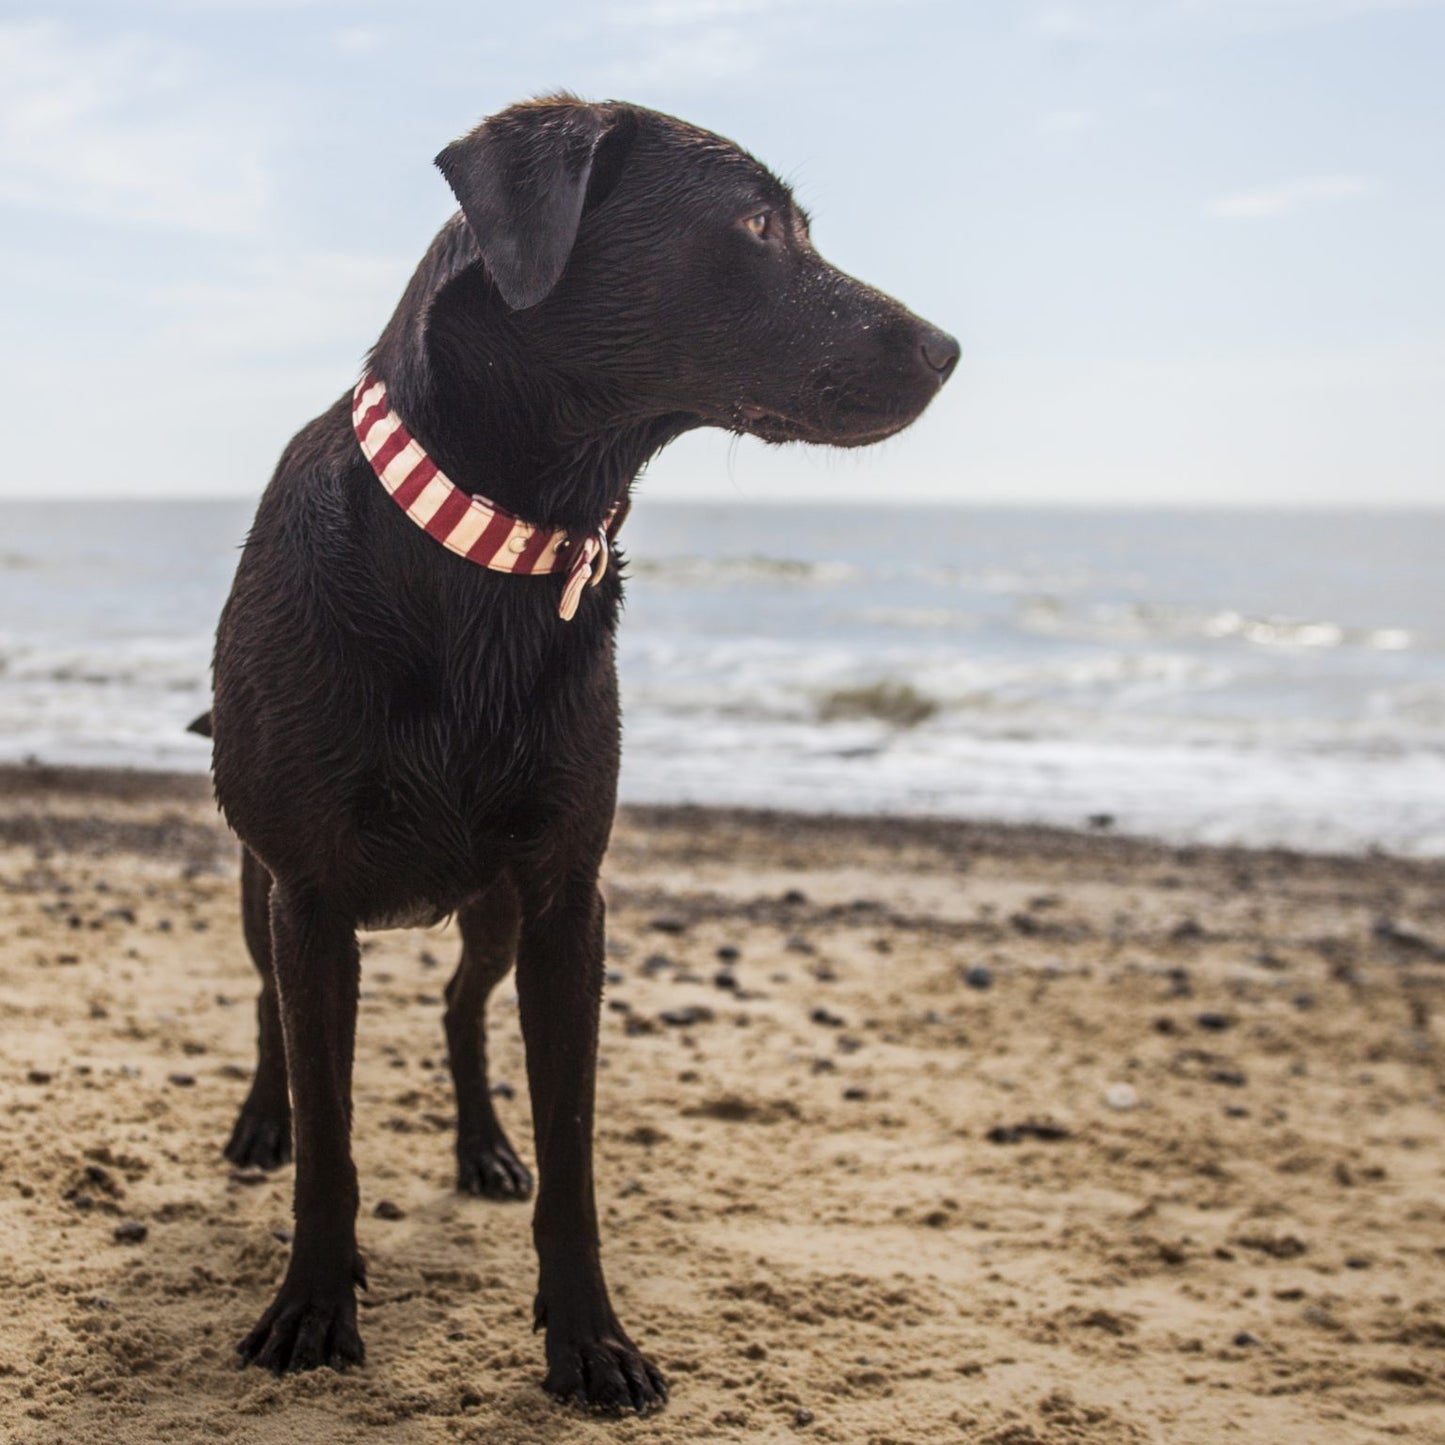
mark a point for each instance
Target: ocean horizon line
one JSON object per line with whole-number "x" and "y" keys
{"x": 1189, "y": 506}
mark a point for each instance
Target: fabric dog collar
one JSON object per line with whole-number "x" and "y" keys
{"x": 472, "y": 527}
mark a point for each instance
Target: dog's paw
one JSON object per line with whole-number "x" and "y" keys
{"x": 259, "y": 1140}
{"x": 303, "y": 1331}
{"x": 492, "y": 1171}
{"x": 610, "y": 1376}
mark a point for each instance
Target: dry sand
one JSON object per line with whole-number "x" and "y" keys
{"x": 855, "y": 1200}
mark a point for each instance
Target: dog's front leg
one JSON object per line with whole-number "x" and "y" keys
{"x": 590, "y": 1359}
{"x": 312, "y": 1320}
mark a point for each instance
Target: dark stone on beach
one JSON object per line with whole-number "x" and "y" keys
{"x": 619, "y": 1006}
{"x": 847, "y": 1044}
{"x": 798, "y": 944}
{"x": 385, "y": 1209}
{"x": 723, "y": 979}
{"x": 728, "y": 953}
{"x": 1244, "y": 1340}
{"x": 131, "y": 1232}
{"x": 824, "y": 973}
{"x": 828, "y": 1020}
{"x": 1407, "y": 940}
{"x": 1281, "y": 1246}
{"x": 1358, "y": 1261}
{"x": 802, "y": 1416}
{"x": 181, "y": 1081}
{"x": 503, "y": 1090}
{"x": 1214, "y": 1023}
{"x": 637, "y": 1024}
{"x": 1304, "y": 1001}
{"x": 668, "y": 924}
{"x": 1180, "y": 984}
{"x": 1231, "y": 1078}
{"x": 681, "y": 1018}
{"x": 38, "y": 1076}
{"x": 1100, "y": 821}
{"x": 1044, "y": 1130}
{"x": 824, "y": 1066}
{"x": 795, "y": 895}
{"x": 656, "y": 963}
{"x": 614, "y": 976}
{"x": 855, "y": 1093}
{"x": 979, "y": 976}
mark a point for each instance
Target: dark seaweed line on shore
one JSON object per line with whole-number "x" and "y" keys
{"x": 952, "y": 839}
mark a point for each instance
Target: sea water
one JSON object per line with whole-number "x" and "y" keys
{"x": 1257, "y": 677}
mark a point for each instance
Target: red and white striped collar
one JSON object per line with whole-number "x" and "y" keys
{"x": 472, "y": 527}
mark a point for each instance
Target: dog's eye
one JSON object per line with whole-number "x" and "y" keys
{"x": 758, "y": 225}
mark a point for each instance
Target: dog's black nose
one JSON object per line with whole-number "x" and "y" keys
{"x": 940, "y": 354}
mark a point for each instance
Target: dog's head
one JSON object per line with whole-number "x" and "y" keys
{"x": 666, "y": 267}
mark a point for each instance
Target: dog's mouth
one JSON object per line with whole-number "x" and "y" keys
{"x": 844, "y": 430}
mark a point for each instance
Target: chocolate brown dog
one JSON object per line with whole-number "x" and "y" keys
{"x": 404, "y": 730}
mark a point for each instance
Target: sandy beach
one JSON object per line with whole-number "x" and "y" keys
{"x": 908, "y": 1132}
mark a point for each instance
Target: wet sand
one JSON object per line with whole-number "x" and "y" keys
{"x": 981, "y": 1134}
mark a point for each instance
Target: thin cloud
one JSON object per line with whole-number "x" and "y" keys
{"x": 283, "y": 305}
{"x": 680, "y": 43}
{"x": 1075, "y": 22}
{"x": 1068, "y": 122}
{"x": 360, "y": 39}
{"x": 1269, "y": 202}
{"x": 1297, "y": 12}
{"x": 122, "y": 131}
{"x": 1064, "y": 23}
{"x": 721, "y": 53}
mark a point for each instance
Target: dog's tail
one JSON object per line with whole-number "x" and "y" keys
{"x": 201, "y": 725}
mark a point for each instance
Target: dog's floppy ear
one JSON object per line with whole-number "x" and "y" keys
{"x": 522, "y": 179}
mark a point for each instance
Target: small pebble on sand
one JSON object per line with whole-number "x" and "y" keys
{"x": 1121, "y": 1096}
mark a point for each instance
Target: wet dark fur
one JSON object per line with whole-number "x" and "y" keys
{"x": 400, "y": 734}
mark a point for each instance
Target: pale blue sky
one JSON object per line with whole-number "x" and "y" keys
{"x": 1192, "y": 248}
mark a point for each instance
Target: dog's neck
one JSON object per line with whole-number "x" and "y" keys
{"x": 489, "y": 413}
